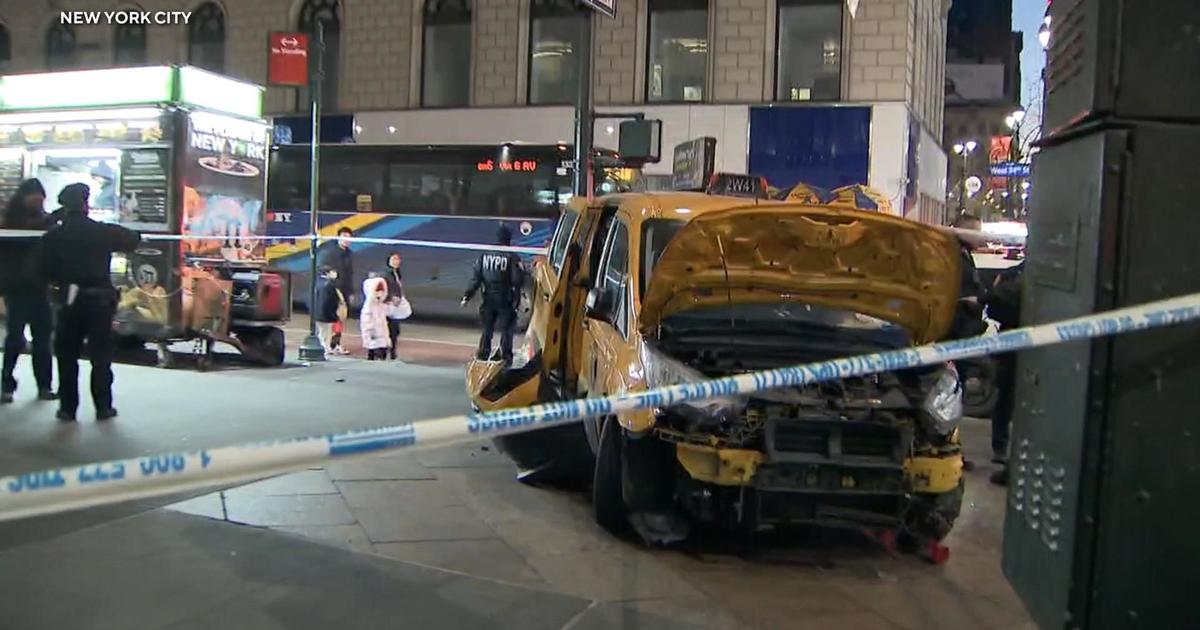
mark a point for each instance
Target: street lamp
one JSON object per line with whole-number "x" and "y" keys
{"x": 964, "y": 149}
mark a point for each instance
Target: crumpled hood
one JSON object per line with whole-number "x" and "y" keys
{"x": 369, "y": 285}
{"x": 879, "y": 265}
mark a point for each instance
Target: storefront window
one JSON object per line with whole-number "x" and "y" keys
{"x": 5, "y": 48}
{"x": 555, "y": 38}
{"x": 60, "y": 47}
{"x": 678, "y": 51}
{"x": 446, "y": 70}
{"x": 206, "y": 38}
{"x": 810, "y": 50}
{"x": 129, "y": 45}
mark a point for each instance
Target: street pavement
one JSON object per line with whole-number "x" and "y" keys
{"x": 441, "y": 538}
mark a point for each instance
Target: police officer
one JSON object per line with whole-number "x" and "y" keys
{"x": 24, "y": 291}
{"x": 499, "y": 273}
{"x": 75, "y": 258}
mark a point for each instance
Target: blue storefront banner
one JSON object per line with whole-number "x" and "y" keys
{"x": 820, "y": 146}
{"x": 335, "y": 129}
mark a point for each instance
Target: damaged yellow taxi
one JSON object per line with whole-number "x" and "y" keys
{"x": 645, "y": 290}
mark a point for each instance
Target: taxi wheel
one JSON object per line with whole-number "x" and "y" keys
{"x": 608, "y": 501}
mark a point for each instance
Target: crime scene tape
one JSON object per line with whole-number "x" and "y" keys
{"x": 68, "y": 488}
{"x": 516, "y": 249}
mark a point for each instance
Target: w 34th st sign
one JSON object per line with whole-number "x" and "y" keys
{"x": 287, "y": 59}
{"x": 606, "y": 7}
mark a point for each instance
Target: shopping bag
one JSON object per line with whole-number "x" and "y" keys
{"x": 400, "y": 309}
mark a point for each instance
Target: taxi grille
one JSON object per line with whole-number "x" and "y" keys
{"x": 836, "y": 441}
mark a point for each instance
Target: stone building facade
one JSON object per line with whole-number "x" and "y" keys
{"x": 890, "y": 52}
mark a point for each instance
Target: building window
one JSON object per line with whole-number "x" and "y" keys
{"x": 555, "y": 38}
{"x": 60, "y": 47}
{"x": 206, "y": 37}
{"x": 809, "y": 44}
{"x": 678, "y": 50}
{"x": 446, "y": 58}
{"x": 5, "y": 47}
{"x": 327, "y": 13}
{"x": 129, "y": 45}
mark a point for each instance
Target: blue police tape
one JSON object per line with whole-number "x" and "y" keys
{"x": 62, "y": 489}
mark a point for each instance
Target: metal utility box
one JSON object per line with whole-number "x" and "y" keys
{"x": 1104, "y": 494}
{"x": 1116, "y": 57}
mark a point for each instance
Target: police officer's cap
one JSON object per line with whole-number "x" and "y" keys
{"x": 74, "y": 196}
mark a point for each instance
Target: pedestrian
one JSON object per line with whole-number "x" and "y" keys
{"x": 1004, "y": 306}
{"x": 76, "y": 257}
{"x": 968, "y": 319}
{"x": 499, "y": 274}
{"x": 373, "y": 320}
{"x": 341, "y": 258}
{"x": 327, "y": 306}
{"x": 395, "y": 291}
{"x": 25, "y": 292}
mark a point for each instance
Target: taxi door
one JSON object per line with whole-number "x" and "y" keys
{"x": 492, "y": 386}
{"x": 606, "y": 322}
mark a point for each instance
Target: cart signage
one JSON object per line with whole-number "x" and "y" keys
{"x": 144, "y": 189}
{"x": 12, "y": 170}
{"x": 287, "y": 59}
{"x": 87, "y": 133}
{"x": 87, "y": 88}
{"x": 224, "y": 179}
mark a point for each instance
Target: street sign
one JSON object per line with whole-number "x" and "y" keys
{"x": 693, "y": 164}
{"x": 287, "y": 59}
{"x": 607, "y": 7}
{"x": 1010, "y": 169}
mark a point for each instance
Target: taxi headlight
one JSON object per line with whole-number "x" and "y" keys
{"x": 943, "y": 405}
{"x": 661, "y": 370}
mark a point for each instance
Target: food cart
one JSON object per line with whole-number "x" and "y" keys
{"x": 178, "y": 154}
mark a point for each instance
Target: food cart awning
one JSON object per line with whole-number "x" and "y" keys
{"x": 130, "y": 88}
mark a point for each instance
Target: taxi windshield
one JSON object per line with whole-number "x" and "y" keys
{"x": 656, "y": 233}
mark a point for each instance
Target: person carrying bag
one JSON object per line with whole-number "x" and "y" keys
{"x": 398, "y": 306}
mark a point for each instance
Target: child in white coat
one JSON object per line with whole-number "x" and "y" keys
{"x": 373, "y": 319}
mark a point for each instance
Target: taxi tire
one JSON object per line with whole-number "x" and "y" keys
{"x": 608, "y": 499}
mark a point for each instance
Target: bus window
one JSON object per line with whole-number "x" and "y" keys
{"x": 346, "y": 174}
{"x": 558, "y": 249}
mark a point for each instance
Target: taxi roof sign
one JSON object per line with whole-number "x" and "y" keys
{"x": 737, "y": 185}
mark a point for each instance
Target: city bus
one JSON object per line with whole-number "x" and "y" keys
{"x": 444, "y": 195}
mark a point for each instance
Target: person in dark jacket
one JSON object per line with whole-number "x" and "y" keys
{"x": 1004, "y": 306}
{"x": 25, "y": 292}
{"x": 968, "y": 319}
{"x": 341, "y": 258}
{"x": 395, "y": 292}
{"x": 328, "y": 304}
{"x": 76, "y": 257}
{"x": 499, "y": 275}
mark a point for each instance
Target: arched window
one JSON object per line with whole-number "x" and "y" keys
{"x": 446, "y": 55}
{"x": 555, "y": 38}
{"x": 5, "y": 47}
{"x": 809, "y": 50}
{"x": 206, "y": 37}
{"x": 129, "y": 44}
{"x": 328, "y": 13}
{"x": 60, "y": 47}
{"x": 678, "y": 63}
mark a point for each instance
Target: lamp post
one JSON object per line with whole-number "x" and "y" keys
{"x": 964, "y": 149}
{"x": 1013, "y": 121}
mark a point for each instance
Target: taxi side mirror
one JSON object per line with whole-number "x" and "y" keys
{"x": 598, "y": 304}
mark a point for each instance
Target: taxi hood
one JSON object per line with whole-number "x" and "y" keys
{"x": 880, "y": 265}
